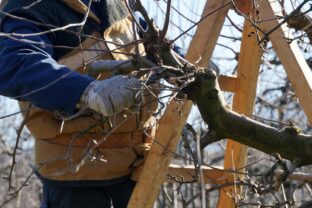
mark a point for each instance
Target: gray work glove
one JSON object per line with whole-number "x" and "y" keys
{"x": 113, "y": 95}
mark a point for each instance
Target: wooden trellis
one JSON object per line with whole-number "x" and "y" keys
{"x": 243, "y": 85}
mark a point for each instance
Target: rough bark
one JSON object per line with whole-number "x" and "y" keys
{"x": 288, "y": 142}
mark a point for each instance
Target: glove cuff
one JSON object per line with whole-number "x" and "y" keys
{"x": 84, "y": 99}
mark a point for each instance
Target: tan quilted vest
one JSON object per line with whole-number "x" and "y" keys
{"x": 60, "y": 146}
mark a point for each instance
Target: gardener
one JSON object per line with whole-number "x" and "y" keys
{"x": 88, "y": 139}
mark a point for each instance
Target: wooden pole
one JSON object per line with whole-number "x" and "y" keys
{"x": 208, "y": 31}
{"x": 156, "y": 164}
{"x": 170, "y": 127}
{"x": 214, "y": 176}
{"x": 247, "y": 76}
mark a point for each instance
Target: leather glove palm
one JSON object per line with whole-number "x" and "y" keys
{"x": 113, "y": 95}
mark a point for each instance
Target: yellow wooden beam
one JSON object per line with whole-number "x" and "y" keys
{"x": 156, "y": 164}
{"x": 290, "y": 55}
{"x": 298, "y": 73}
{"x": 207, "y": 33}
{"x": 214, "y": 176}
{"x": 170, "y": 127}
{"x": 217, "y": 175}
{"x": 228, "y": 83}
{"x": 243, "y": 102}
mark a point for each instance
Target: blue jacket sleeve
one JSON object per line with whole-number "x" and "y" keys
{"x": 29, "y": 72}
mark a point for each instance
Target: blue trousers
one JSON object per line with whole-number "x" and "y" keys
{"x": 58, "y": 196}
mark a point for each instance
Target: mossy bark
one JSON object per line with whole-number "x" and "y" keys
{"x": 289, "y": 143}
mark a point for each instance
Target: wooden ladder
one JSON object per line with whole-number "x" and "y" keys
{"x": 243, "y": 85}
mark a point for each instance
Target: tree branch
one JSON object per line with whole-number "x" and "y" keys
{"x": 288, "y": 142}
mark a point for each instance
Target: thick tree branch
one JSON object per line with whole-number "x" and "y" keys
{"x": 289, "y": 142}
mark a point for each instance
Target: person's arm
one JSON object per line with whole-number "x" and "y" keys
{"x": 28, "y": 71}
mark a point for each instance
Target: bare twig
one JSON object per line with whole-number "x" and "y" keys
{"x": 285, "y": 19}
{"x": 202, "y": 19}
{"x": 19, "y": 132}
{"x": 167, "y": 20}
{"x": 13, "y": 114}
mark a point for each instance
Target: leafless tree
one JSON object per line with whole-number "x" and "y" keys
{"x": 274, "y": 185}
